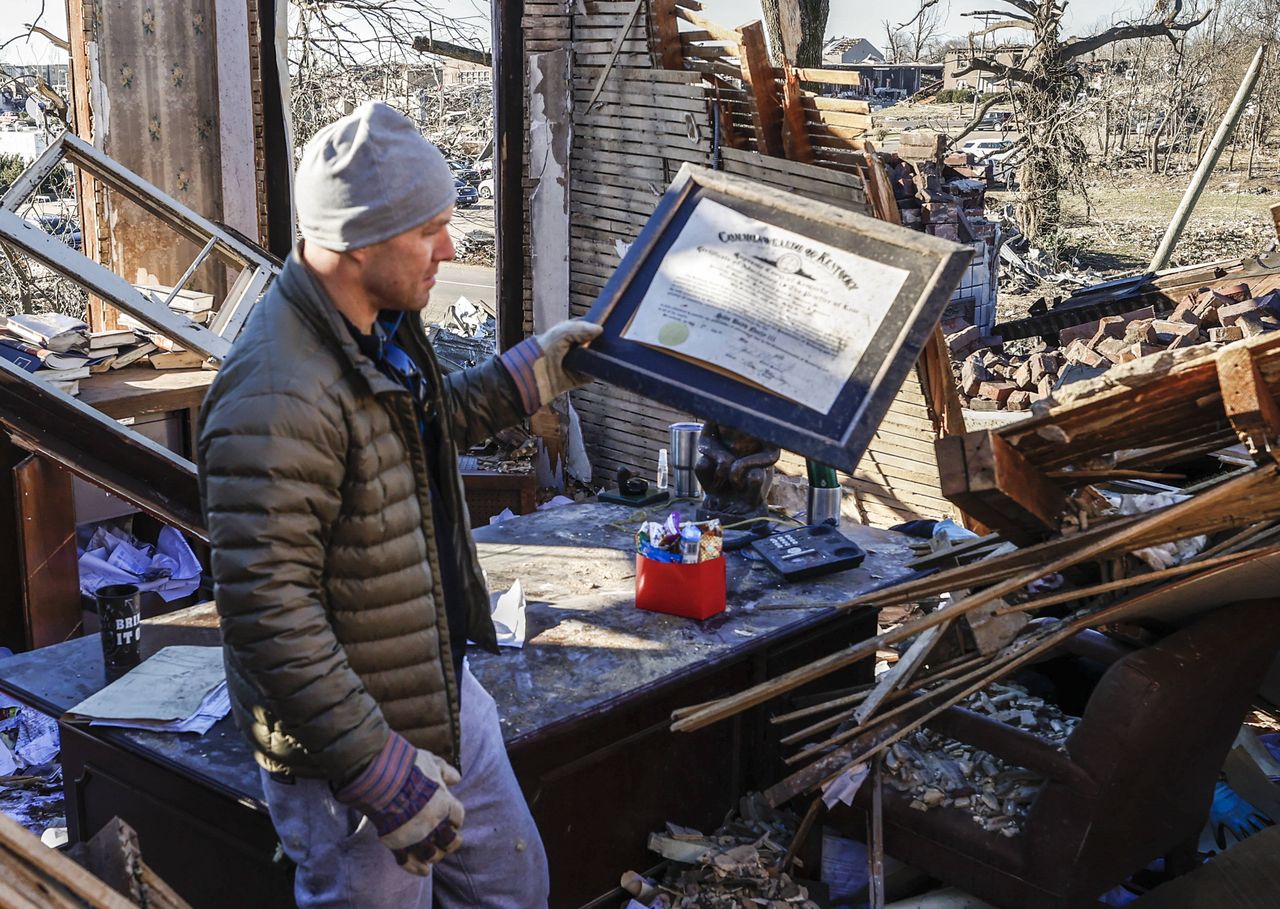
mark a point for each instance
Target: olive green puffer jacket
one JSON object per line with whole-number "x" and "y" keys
{"x": 314, "y": 480}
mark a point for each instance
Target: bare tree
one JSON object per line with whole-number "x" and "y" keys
{"x": 344, "y": 52}
{"x": 1044, "y": 80}
{"x": 920, "y": 36}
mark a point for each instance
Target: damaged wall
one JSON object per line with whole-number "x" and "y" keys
{"x": 168, "y": 91}
{"x": 624, "y": 152}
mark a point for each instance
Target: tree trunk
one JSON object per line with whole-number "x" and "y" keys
{"x": 773, "y": 28}
{"x": 813, "y": 31}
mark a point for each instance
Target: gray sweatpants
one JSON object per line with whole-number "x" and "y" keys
{"x": 341, "y": 865}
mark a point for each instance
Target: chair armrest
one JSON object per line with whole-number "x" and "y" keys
{"x": 1091, "y": 644}
{"x": 1095, "y": 645}
{"x": 1014, "y": 745}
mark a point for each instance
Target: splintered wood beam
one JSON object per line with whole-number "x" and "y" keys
{"x": 795, "y": 135}
{"x": 829, "y": 76}
{"x": 757, "y": 75}
{"x": 717, "y": 32}
{"x": 67, "y": 882}
{"x": 666, "y": 34}
{"x": 998, "y": 487}
{"x": 1174, "y": 522}
{"x": 879, "y": 188}
{"x": 1249, "y": 404}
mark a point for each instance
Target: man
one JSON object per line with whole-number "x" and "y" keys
{"x": 346, "y": 579}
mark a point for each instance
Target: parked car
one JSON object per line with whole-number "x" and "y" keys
{"x": 981, "y": 149}
{"x": 995, "y": 119}
{"x": 467, "y": 195}
{"x": 64, "y": 229}
{"x": 464, "y": 171}
{"x": 486, "y": 188}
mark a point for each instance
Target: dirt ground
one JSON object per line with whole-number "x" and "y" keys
{"x": 1116, "y": 230}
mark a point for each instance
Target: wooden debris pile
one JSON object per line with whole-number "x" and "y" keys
{"x": 746, "y": 862}
{"x": 992, "y": 375}
{"x": 1027, "y": 482}
{"x": 940, "y": 772}
{"x": 37, "y": 877}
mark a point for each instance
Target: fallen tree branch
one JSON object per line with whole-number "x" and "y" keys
{"x": 424, "y": 44}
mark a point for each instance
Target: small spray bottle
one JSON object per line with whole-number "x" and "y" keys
{"x": 662, "y": 469}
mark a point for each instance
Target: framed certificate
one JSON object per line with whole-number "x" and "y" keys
{"x": 792, "y": 320}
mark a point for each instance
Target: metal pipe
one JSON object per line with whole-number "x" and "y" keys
{"x": 1207, "y": 164}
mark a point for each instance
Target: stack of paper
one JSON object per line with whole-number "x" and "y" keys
{"x": 180, "y": 689}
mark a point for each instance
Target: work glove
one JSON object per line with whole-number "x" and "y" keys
{"x": 405, "y": 794}
{"x": 1232, "y": 814}
{"x": 548, "y": 370}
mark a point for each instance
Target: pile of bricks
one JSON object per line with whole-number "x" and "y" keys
{"x": 991, "y": 379}
{"x": 946, "y": 197}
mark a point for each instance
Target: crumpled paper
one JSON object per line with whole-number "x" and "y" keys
{"x": 112, "y": 556}
{"x": 38, "y": 741}
{"x": 844, "y": 787}
{"x": 508, "y": 616}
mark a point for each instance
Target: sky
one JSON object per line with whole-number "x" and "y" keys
{"x": 862, "y": 19}
{"x": 851, "y": 18}
{"x": 37, "y": 50}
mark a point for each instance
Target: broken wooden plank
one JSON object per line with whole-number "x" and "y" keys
{"x": 999, "y": 487}
{"x": 1247, "y": 400}
{"x": 757, "y": 75}
{"x": 22, "y": 850}
{"x": 1173, "y": 522}
{"x": 666, "y": 34}
{"x": 795, "y": 135}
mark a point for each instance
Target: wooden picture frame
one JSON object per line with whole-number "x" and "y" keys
{"x": 837, "y": 436}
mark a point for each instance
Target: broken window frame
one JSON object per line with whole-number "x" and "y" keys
{"x": 258, "y": 268}
{"x": 100, "y": 450}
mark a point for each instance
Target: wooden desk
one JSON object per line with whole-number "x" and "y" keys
{"x": 584, "y": 705}
{"x": 139, "y": 391}
{"x": 40, "y": 599}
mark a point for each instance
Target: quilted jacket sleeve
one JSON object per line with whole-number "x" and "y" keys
{"x": 481, "y": 401}
{"x": 271, "y": 470}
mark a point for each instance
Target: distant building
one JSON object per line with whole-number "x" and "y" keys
{"x": 54, "y": 74}
{"x": 904, "y": 79}
{"x": 26, "y": 143}
{"x": 460, "y": 72}
{"x": 957, "y": 60}
{"x": 847, "y": 51}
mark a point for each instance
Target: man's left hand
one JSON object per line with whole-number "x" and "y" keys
{"x": 553, "y": 379}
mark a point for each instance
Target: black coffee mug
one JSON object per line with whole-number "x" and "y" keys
{"x": 120, "y": 621}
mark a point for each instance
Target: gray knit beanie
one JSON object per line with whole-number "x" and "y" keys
{"x": 367, "y": 177}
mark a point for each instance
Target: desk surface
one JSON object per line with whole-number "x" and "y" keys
{"x": 135, "y": 390}
{"x": 587, "y": 646}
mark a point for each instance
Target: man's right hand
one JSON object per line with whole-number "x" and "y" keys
{"x": 432, "y": 833}
{"x": 405, "y": 794}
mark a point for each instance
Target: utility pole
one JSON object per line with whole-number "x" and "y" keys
{"x": 1210, "y": 160}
